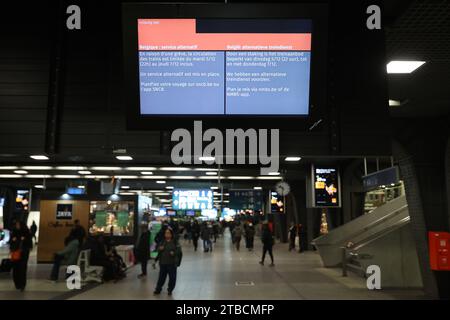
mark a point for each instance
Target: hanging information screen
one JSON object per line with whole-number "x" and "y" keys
{"x": 224, "y": 66}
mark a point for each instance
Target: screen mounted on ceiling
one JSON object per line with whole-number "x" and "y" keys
{"x": 224, "y": 67}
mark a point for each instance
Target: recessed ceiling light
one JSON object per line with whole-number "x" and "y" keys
{"x": 273, "y": 173}
{"x": 161, "y": 181}
{"x": 214, "y": 188}
{"x": 240, "y": 178}
{"x": 211, "y": 173}
{"x": 84, "y": 172}
{"x": 292, "y": 159}
{"x": 206, "y": 169}
{"x": 124, "y": 158}
{"x": 125, "y": 187}
{"x": 169, "y": 187}
{"x": 146, "y": 172}
{"x": 81, "y": 187}
{"x": 182, "y": 177}
{"x": 269, "y": 178}
{"x": 10, "y": 176}
{"x": 8, "y": 167}
{"x": 394, "y": 103}
{"x": 20, "y": 171}
{"x": 257, "y": 188}
{"x": 403, "y": 66}
{"x": 96, "y": 177}
{"x": 126, "y": 193}
{"x": 39, "y": 157}
{"x": 39, "y": 186}
{"x": 66, "y": 176}
{"x": 153, "y": 177}
{"x": 75, "y": 168}
{"x": 38, "y": 176}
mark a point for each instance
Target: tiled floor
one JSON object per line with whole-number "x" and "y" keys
{"x": 214, "y": 276}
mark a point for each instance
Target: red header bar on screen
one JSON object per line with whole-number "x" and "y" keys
{"x": 180, "y": 34}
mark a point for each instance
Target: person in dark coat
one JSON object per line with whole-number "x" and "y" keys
{"x": 143, "y": 250}
{"x": 195, "y": 234}
{"x": 250, "y": 236}
{"x": 77, "y": 232}
{"x": 21, "y": 243}
{"x": 170, "y": 255}
{"x": 206, "y": 234}
{"x": 292, "y": 234}
{"x": 33, "y": 231}
{"x": 267, "y": 240}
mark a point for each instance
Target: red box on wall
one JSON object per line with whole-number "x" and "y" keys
{"x": 439, "y": 247}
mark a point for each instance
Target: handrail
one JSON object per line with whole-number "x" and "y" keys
{"x": 372, "y": 224}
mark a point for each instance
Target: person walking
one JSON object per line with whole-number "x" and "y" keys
{"x": 250, "y": 236}
{"x": 206, "y": 235}
{"x": 195, "y": 234}
{"x": 67, "y": 256}
{"x": 267, "y": 240}
{"x": 20, "y": 246}
{"x": 143, "y": 250}
{"x": 237, "y": 235}
{"x": 292, "y": 235}
{"x": 170, "y": 255}
{"x": 33, "y": 231}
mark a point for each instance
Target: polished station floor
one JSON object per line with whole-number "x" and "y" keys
{"x": 223, "y": 274}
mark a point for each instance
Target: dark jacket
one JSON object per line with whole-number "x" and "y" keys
{"x": 169, "y": 253}
{"x": 143, "y": 247}
{"x": 267, "y": 238}
{"x": 195, "y": 230}
{"x": 25, "y": 245}
{"x": 207, "y": 233}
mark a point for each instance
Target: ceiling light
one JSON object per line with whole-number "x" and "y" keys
{"x": 81, "y": 187}
{"x": 174, "y": 169}
{"x": 394, "y": 103}
{"x": 169, "y": 187}
{"x": 211, "y": 173}
{"x": 124, "y": 158}
{"x": 292, "y": 159}
{"x": 273, "y": 173}
{"x": 8, "y": 167}
{"x": 210, "y": 177}
{"x": 268, "y": 178}
{"x": 146, "y": 172}
{"x": 39, "y": 157}
{"x": 153, "y": 177}
{"x": 84, "y": 172}
{"x": 403, "y": 66}
{"x": 125, "y": 187}
{"x": 206, "y": 158}
{"x": 140, "y": 168}
{"x": 75, "y": 168}
{"x": 107, "y": 168}
{"x": 240, "y": 178}
{"x": 37, "y": 168}
{"x": 162, "y": 194}
{"x": 160, "y": 181}
{"x": 182, "y": 177}
{"x": 126, "y": 193}
{"x": 126, "y": 177}
{"x": 38, "y": 176}
{"x": 206, "y": 169}
{"x": 20, "y": 171}
{"x": 66, "y": 176}
{"x": 214, "y": 188}
{"x": 96, "y": 177}
{"x": 39, "y": 186}
{"x": 257, "y": 188}
{"x": 10, "y": 176}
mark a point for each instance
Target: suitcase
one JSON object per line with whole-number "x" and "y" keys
{"x": 6, "y": 265}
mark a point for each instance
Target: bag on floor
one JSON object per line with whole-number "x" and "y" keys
{"x": 6, "y": 265}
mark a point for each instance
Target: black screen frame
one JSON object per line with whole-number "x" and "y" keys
{"x": 318, "y": 13}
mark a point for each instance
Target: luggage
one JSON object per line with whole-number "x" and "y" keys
{"x": 6, "y": 265}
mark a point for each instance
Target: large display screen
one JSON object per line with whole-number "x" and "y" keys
{"x": 218, "y": 67}
{"x": 192, "y": 199}
{"x": 326, "y": 187}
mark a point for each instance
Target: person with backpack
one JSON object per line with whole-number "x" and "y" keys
{"x": 169, "y": 256}
{"x": 20, "y": 246}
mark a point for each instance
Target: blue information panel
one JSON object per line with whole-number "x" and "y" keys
{"x": 192, "y": 199}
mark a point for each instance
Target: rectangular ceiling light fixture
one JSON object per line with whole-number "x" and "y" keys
{"x": 403, "y": 66}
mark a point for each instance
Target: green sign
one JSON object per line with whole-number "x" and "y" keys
{"x": 122, "y": 219}
{"x": 246, "y": 200}
{"x": 100, "y": 219}
{"x": 155, "y": 227}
